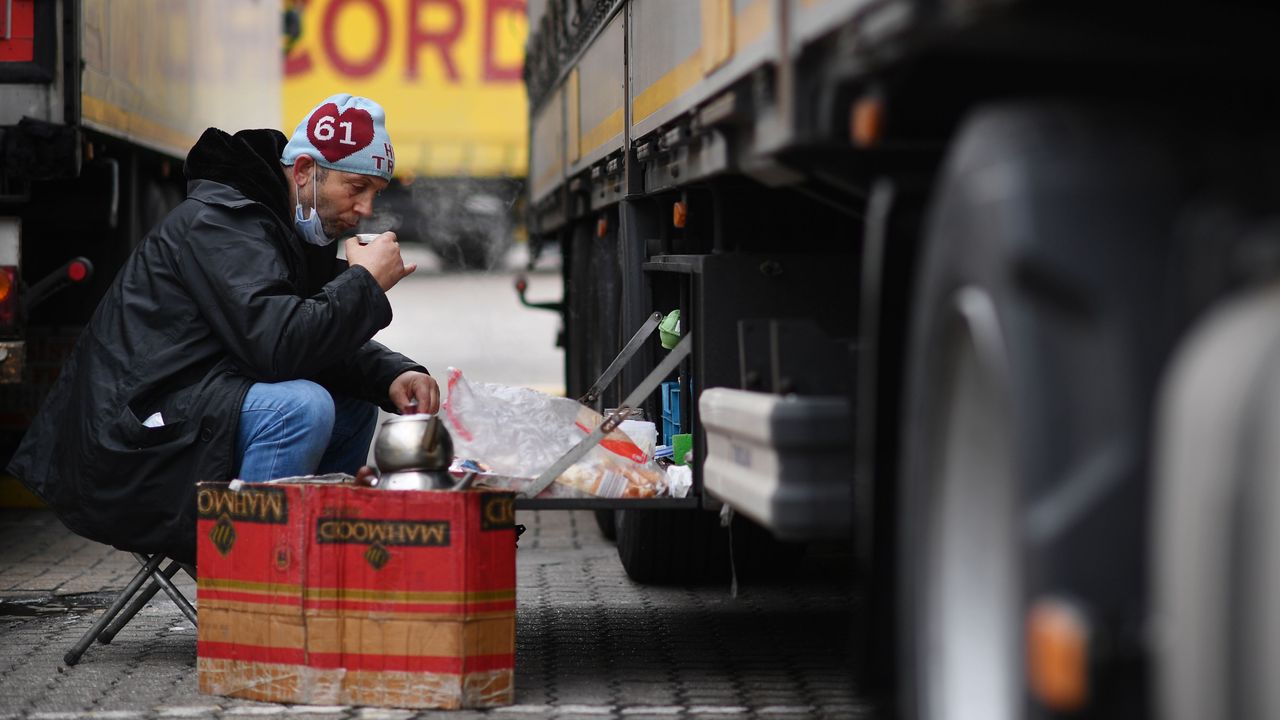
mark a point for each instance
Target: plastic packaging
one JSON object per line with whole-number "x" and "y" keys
{"x": 679, "y": 480}
{"x": 643, "y": 433}
{"x": 518, "y": 433}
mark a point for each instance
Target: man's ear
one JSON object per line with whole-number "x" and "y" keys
{"x": 302, "y": 168}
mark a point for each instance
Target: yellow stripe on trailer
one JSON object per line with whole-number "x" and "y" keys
{"x": 105, "y": 116}
{"x": 724, "y": 36}
{"x": 158, "y": 72}
{"x": 751, "y": 24}
{"x": 670, "y": 86}
{"x": 601, "y": 133}
{"x": 717, "y": 34}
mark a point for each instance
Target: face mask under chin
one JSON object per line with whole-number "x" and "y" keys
{"x": 310, "y": 228}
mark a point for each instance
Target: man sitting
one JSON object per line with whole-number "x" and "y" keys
{"x": 233, "y": 342}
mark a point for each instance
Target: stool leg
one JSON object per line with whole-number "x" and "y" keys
{"x": 109, "y": 634}
{"x": 173, "y": 593}
{"x": 73, "y": 655}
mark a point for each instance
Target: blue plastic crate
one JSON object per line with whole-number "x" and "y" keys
{"x": 670, "y": 410}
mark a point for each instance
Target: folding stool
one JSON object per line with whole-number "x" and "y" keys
{"x": 113, "y": 620}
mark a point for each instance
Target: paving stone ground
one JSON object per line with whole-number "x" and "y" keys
{"x": 590, "y": 643}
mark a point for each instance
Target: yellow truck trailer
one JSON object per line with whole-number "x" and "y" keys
{"x": 450, "y": 77}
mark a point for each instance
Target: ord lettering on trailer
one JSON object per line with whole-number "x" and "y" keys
{"x": 428, "y": 533}
{"x": 441, "y": 30}
{"x": 262, "y": 505}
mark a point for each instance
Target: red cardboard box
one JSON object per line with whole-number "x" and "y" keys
{"x": 331, "y": 594}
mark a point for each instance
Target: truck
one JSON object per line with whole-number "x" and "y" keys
{"x": 448, "y": 75}
{"x": 986, "y": 287}
{"x": 99, "y": 103}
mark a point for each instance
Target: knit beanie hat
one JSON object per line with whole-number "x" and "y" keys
{"x": 347, "y": 133}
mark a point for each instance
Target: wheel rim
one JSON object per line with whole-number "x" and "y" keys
{"x": 971, "y": 656}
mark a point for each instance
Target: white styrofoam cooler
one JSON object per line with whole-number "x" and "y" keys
{"x": 784, "y": 461}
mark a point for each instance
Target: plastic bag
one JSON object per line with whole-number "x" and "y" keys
{"x": 643, "y": 433}
{"x": 518, "y": 432}
{"x": 679, "y": 480}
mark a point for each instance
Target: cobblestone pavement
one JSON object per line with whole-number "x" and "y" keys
{"x": 590, "y": 643}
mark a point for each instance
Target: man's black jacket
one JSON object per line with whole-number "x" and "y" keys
{"x": 221, "y": 294}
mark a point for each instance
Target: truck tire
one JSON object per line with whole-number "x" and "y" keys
{"x": 1040, "y": 324}
{"x": 668, "y": 547}
{"x": 608, "y": 525}
{"x": 1215, "y": 501}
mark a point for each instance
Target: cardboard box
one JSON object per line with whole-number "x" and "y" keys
{"x": 342, "y": 595}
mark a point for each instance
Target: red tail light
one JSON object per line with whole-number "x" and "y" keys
{"x": 8, "y": 298}
{"x": 77, "y": 270}
{"x": 17, "y": 31}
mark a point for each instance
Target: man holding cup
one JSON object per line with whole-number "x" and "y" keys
{"x": 233, "y": 342}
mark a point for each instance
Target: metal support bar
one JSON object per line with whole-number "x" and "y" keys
{"x": 148, "y": 567}
{"x": 522, "y": 284}
{"x": 646, "y": 387}
{"x": 172, "y": 592}
{"x": 628, "y": 351}
{"x": 109, "y": 634}
{"x": 8, "y": 19}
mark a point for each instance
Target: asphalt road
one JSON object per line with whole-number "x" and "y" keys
{"x": 473, "y": 321}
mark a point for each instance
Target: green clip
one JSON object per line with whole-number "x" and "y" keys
{"x": 669, "y": 329}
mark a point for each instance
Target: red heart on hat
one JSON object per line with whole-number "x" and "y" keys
{"x": 338, "y": 134}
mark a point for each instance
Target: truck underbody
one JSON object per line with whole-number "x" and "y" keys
{"x": 988, "y": 229}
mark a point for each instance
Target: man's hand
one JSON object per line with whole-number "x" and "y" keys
{"x": 366, "y": 477}
{"x": 415, "y": 392}
{"x": 381, "y": 258}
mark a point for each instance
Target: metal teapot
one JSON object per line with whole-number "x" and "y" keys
{"x": 413, "y": 452}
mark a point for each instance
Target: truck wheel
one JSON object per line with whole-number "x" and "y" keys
{"x": 664, "y": 547}
{"x": 965, "y": 552}
{"x": 608, "y": 527}
{"x": 1215, "y": 501}
{"x": 1040, "y": 323}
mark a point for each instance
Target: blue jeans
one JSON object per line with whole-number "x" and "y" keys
{"x": 298, "y": 428}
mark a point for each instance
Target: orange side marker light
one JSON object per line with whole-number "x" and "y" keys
{"x": 1058, "y": 654}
